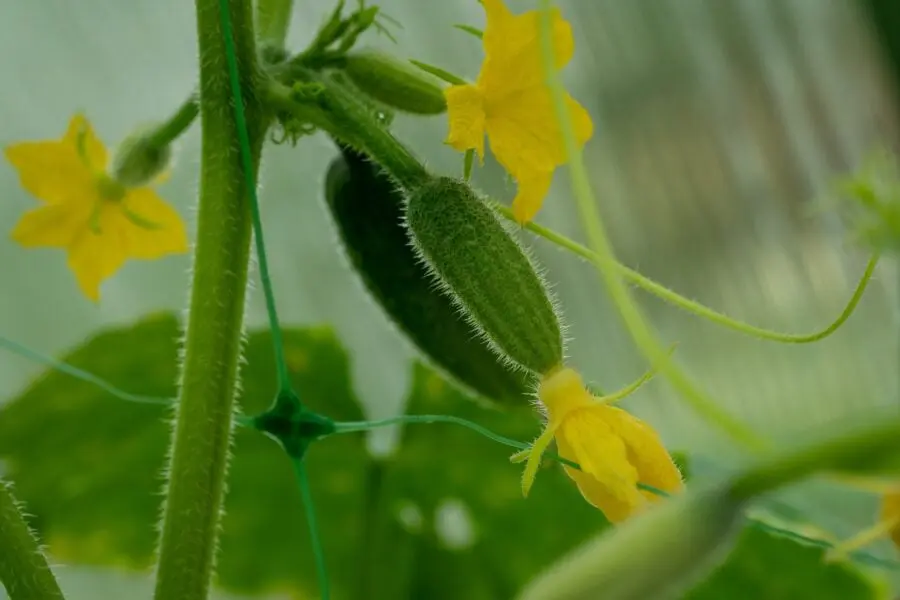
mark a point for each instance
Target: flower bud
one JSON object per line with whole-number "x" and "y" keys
{"x": 486, "y": 273}
{"x": 657, "y": 554}
{"x": 395, "y": 83}
{"x": 139, "y": 159}
{"x": 367, "y": 208}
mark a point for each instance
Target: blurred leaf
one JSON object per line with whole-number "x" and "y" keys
{"x": 765, "y": 565}
{"x": 512, "y": 537}
{"x": 89, "y": 465}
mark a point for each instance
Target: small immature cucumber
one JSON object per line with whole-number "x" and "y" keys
{"x": 487, "y": 273}
{"x": 395, "y": 83}
{"x": 367, "y": 209}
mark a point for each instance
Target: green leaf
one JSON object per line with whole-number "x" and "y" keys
{"x": 89, "y": 465}
{"x": 764, "y": 565}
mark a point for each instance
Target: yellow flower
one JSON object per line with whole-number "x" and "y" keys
{"x": 511, "y": 103}
{"x": 97, "y": 220}
{"x": 615, "y": 450}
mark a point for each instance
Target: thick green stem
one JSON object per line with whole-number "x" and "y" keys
{"x": 24, "y": 571}
{"x": 331, "y": 107}
{"x": 209, "y": 377}
{"x": 272, "y": 20}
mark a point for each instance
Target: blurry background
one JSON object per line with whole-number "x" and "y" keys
{"x": 719, "y": 125}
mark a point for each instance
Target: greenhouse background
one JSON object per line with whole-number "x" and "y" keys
{"x": 720, "y": 125}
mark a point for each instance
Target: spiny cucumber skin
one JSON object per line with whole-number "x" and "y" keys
{"x": 367, "y": 209}
{"x": 487, "y": 272}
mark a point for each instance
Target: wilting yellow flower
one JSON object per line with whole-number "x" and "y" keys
{"x": 97, "y": 220}
{"x": 511, "y": 103}
{"x": 615, "y": 450}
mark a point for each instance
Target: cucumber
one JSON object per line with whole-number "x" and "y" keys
{"x": 395, "y": 83}
{"x": 475, "y": 260}
{"x": 367, "y": 210}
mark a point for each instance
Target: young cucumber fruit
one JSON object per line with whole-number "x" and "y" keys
{"x": 487, "y": 273}
{"x": 395, "y": 83}
{"x": 367, "y": 209}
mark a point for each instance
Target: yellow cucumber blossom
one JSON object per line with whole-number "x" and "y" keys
{"x": 511, "y": 103}
{"x": 98, "y": 221}
{"x": 615, "y": 450}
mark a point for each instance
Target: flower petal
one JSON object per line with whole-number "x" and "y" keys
{"x": 167, "y": 234}
{"x": 606, "y": 479}
{"x": 525, "y": 135}
{"x": 513, "y": 50}
{"x": 53, "y": 170}
{"x": 465, "y": 112}
{"x": 534, "y": 183}
{"x": 97, "y": 255}
{"x": 646, "y": 451}
{"x": 80, "y": 135}
{"x": 498, "y": 15}
{"x": 50, "y": 171}
{"x": 582, "y": 123}
{"x": 530, "y": 196}
{"x": 54, "y": 225}
{"x": 153, "y": 230}
{"x": 563, "y": 391}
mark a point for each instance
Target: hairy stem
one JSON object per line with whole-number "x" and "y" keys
{"x": 24, "y": 571}
{"x": 209, "y": 378}
{"x": 272, "y": 20}
{"x": 332, "y": 108}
